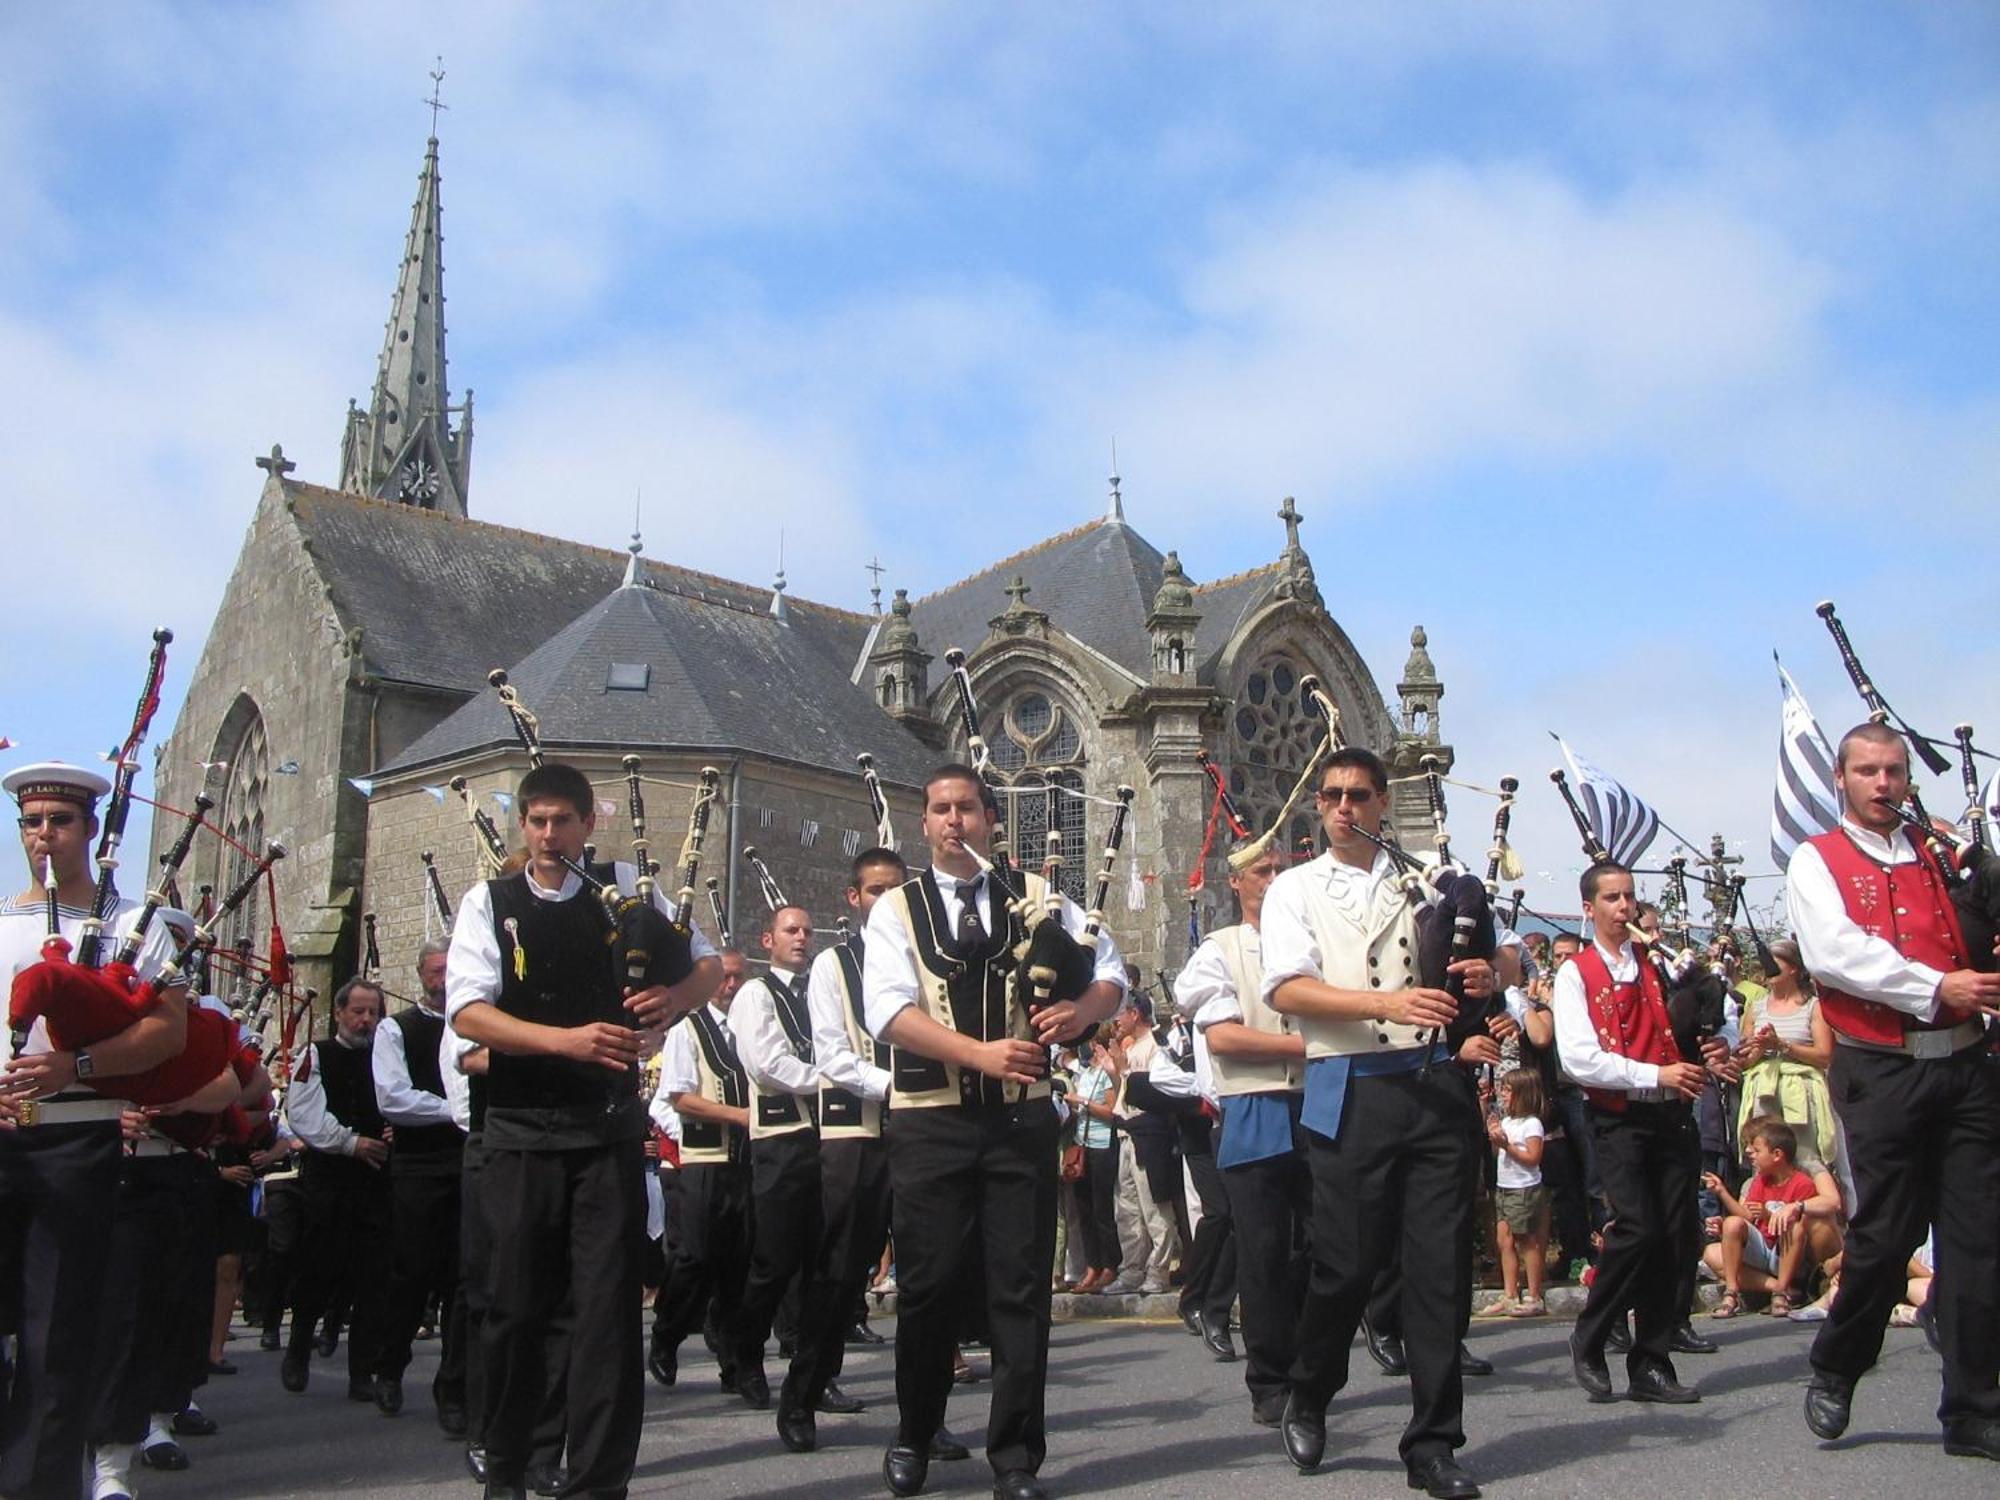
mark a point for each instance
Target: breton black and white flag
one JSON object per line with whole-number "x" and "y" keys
{"x": 1622, "y": 822}
{"x": 1805, "y": 801}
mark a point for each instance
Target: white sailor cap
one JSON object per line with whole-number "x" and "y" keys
{"x": 183, "y": 923}
{"x": 58, "y": 781}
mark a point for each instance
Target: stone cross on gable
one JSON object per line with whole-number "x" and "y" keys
{"x": 276, "y": 465}
{"x": 1289, "y": 514}
{"x": 1018, "y": 591}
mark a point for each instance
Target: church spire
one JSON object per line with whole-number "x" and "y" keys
{"x": 401, "y": 446}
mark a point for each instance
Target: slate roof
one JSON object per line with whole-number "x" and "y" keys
{"x": 1224, "y": 605}
{"x": 443, "y": 599}
{"x": 721, "y": 676}
{"x": 1096, "y": 583}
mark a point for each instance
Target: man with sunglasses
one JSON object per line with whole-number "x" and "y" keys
{"x": 59, "y": 1140}
{"x": 1389, "y": 1141}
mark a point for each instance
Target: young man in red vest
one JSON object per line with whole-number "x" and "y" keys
{"x": 1615, "y": 1040}
{"x": 1915, "y": 1085}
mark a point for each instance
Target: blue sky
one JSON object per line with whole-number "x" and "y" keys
{"x": 1603, "y": 341}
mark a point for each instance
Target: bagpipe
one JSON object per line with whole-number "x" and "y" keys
{"x": 1971, "y": 869}
{"x": 653, "y": 950}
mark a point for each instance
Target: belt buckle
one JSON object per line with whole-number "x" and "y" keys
{"x": 30, "y": 1112}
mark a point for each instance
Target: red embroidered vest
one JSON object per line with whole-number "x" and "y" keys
{"x": 1906, "y": 906}
{"x": 1630, "y": 1019}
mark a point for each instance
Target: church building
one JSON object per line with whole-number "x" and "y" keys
{"x": 343, "y": 690}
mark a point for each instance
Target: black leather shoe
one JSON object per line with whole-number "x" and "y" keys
{"x": 1191, "y": 1320}
{"x": 1386, "y": 1349}
{"x": 327, "y": 1342}
{"x": 753, "y": 1388}
{"x": 192, "y": 1421}
{"x": 1304, "y": 1433}
{"x": 1973, "y": 1437}
{"x": 861, "y": 1333}
{"x": 221, "y": 1367}
{"x": 1687, "y": 1341}
{"x": 292, "y": 1374}
{"x": 546, "y": 1479}
{"x": 167, "y": 1457}
{"x": 388, "y": 1395}
{"x": 947, "y": 1449}
{"x": 475, "y": 1463}
{"x": 361, "y": 1390}
{"x": 904, "y": 1470}
{"x": 1215, "y": 1338}
{"x": 664, "y": 1364}
{"x": 1441, "y": 1476}
{"x": 269, "y": 1341}
{"x": 1657, "y": 1384}
{"x": 1829, "y": 1403}
{"x": 1589, "y": 1369}
{"x": 836, "y": 1401}
{"x": 501, "y": 1489}
{"x": 1017, "y": 1484}
{"x": 451, "y": 1419}
{"x": 1619, "y": 1339}
{"x": 1471, "y": 1364}
{"x": 795, "y": 1429}
{"x": 1268, "y": 1411}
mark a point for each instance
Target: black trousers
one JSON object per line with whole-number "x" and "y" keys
{"x": 711, "y": 1255}
{"x": 1649, "y": 1160}
{"x": 1401, "y": 1177}
{"x": 152, "y": 1240}
{"x": 425, "y": 1214}
{"x": 1208, "y": 1285}
{"x": 854, "y": 1212}
{"x": 568, "y": 1228}
{"x": 471, "y": 1304}
{"x": 1270, "y": 1208}
{"x": 961, "y": 1177}
{"x": 284, "y": 1247}
{"x": 1100, "y": 1207}
{"x": 1385, "y": 1300}
{"x": 183, "y": 1367}
{"x": 58, "y": 1195}
{"x": 785, "y": 1231}
{"x": 1924, "y": 1138}
{"x": 345, "y": 1254}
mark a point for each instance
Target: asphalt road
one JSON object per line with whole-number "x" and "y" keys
{"x": 1140, "y": 1410}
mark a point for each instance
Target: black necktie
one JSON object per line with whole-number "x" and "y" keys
{"x": 971, "y": 931}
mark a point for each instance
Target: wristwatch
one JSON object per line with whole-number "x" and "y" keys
{"x": 84, "y": 1066}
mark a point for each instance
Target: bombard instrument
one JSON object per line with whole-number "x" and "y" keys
{"x": 526, "y": 725}
{"x": 1878, "y": 706}
{"x": 1976, "y": 812}
{"x": 435, "y": 885}
{"x": 774, "y": 894}
{"x": 1593, "y": 850}
{"x": 1501, "y": 860}
{"x": 118, "y": 806}
{"x": 690, "y": 861}
{"x": 885, "y": 834}
{"x": 715, "y": 909}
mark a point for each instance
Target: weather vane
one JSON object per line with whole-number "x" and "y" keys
{"x": 437, "y": 88}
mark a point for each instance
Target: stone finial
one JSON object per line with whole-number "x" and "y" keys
{"x": 1419, "y": 668}
{"x": 276, "y": 464}
{"x": 1175, "y": 593}
{"x": 900, "y": 634}
{"x": 875, "y": 570}
{"x": 779, "y": 610}
{"x": 1295, "y": 578}
{"x": 1114, "y": 510}
{"x": 1289, "y": 514}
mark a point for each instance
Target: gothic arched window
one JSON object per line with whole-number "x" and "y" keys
{"x": 242, "y": 820}
{"x": 1038, "y": 750}
{"x": 1272, "y": 734}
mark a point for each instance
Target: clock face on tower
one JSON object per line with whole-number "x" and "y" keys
{"x": 417, "y": 484}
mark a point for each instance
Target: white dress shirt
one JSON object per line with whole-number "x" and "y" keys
{"x": 472, "y": 968}
{"x": 453, "y": 1050}
{"x": 1583, "y": 1057}
{"x": 679, "y": 1073}
{"x": 306, "y": 1111}
{"x": 889, "y": 964}
{"x": 1205, "y": 989}
{"x": 399, "y": 1099}
{"x": 1177, "y": 1081}
{"x": 1839, "y": 953}
{"x": 833, "y": 1054}
{"x": 761, "y": 1044}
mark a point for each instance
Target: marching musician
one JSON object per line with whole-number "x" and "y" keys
{"x": 773, "y": 1030}
{"x": 1258, "y": 1058}
{"x": 703, "y": 1080}
{"x": 1915, "y": 1087}
{"x": 530, "y": 978}
{"x": 1616, "y": 1040}
{"x": 331, "y": 1106}
{"x": 854, "y": 1172}
{"x": 424, "y": 1192}
{"x": 1390, "y": 1143}
{"x": 59, "y": 1140}
{"x": 971, "y": 1133}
